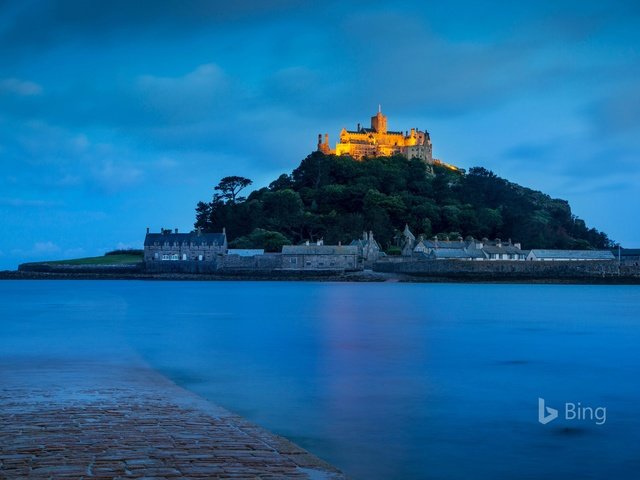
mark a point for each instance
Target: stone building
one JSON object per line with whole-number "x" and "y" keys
{"x": 407, "y": 242}
{"x": 196, "y": 246}
{"x": 368, "y": 248}
{"x": 469, "y": 249}
{"x": 321, "y": 257}
{"x": 570, "y": 255}
{"x": 378, "y": 141}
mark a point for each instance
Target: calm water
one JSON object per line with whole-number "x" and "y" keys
{"x": 384, "y": 380}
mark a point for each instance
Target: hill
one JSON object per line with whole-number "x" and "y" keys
{"x": 337, "y": 198}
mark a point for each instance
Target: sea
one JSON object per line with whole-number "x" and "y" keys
{"x": 383, "y": 380}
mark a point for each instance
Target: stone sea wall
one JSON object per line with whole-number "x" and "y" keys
{"x": 82, "y": 269}
{"x": 503, "y": 269}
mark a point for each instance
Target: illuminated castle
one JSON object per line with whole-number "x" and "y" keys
{"x": 377, "y": 141}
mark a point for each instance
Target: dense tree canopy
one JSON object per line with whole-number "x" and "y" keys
{"x": 337, "y": 198}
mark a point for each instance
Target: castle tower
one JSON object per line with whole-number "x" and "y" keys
{"x": 324, "y": 146}
{"x": 379, "y": 122}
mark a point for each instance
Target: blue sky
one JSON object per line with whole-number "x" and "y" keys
{"x": 119, "y": 115}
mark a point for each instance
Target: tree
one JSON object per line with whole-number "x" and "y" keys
{"x": 231, "y": 187}
{"x": 260, "y": 238}
{"x": 336, "y": 198}
{"x": 203, "y": 216}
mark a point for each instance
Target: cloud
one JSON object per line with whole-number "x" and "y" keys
{"x": 408, "y": 63}
{"x": 199, "y": 94}
{"x": 42, "y": 24}
{"x": 38, "y": 250}
{"x": 19, "y": 87}
{"x": 529, "y": 151}
{"x": 114, "y": 176}
{"x": 618, "y": 112}
{"x": 21, "y": 202}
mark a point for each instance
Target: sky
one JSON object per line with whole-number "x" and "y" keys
{"x": 116, "y": 116}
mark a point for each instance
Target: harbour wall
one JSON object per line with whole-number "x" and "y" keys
{"x": 504, "y": 269}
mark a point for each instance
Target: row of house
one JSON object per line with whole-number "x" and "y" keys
{"x": 485, "y": 249}
{"x": 197, "y": 246}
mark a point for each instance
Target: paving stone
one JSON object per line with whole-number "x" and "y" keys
{"x": 96, "y": 421}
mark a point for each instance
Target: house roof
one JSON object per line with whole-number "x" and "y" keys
{"x": 509, "y": 249}
{"x": 450, "y": 253}
{"x": 246, "y": 252}
{"x": 407, "y": 233}
{"x": 185, "y": 238}
{"x": 444, "y": 244}
{"x": 319, "y": 250}
{"x": 361, "y": 243}
{"x": 574, "y": 254}
{"x": 626, "y": 252}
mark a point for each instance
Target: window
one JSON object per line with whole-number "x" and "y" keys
{"x": 175, "y": 257}
{"x": 308, "y": 264}
{"x": 293, "y": 260}
{"x": 165, "y": 257}
{"x": 184, "y": 256}
{"x": 200, "y": 258}
{"x": 155, "y": 255}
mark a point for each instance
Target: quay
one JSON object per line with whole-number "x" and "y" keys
{"x": 90, "y": 420}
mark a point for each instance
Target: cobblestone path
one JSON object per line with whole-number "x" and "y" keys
{"x": 83, "y": 420}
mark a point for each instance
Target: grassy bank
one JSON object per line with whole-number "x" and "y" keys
{"x": 123, "y": 259}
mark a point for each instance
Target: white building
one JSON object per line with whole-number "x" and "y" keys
{"x": 570, "y": 255}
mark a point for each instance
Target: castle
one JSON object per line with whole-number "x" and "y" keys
{"x": 377, "y": 141}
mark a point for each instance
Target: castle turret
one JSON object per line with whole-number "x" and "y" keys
{"x": 379, "y": 122}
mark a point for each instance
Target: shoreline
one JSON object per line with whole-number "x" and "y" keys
{"x": 324, "y": 276}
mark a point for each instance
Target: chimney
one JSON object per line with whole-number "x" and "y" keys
{"x": 307, "y": 243}
{"x": 176, "y": 230}
{"x": 147, "y": 230}
{"x": 339, "y": 243}
{"x": 224, "y": 231}
{"x": 498, "y": 242}
{"x": 358, "y": 127}
{"x": 320, "y": 241}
